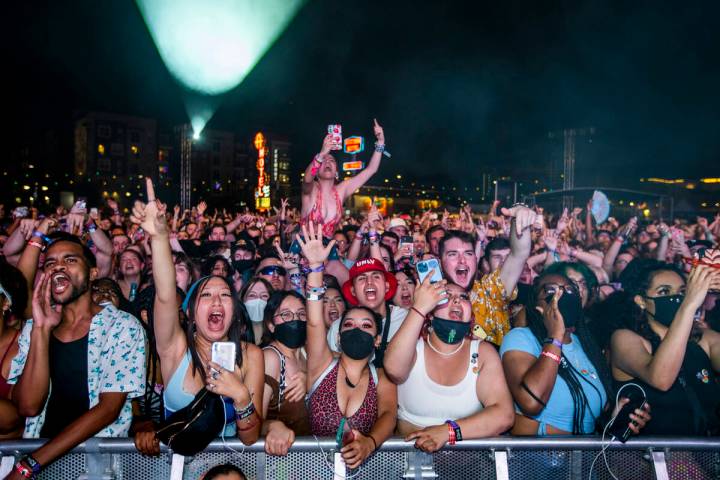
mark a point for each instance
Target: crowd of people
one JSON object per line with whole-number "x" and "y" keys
{"x": 437, "y": 327}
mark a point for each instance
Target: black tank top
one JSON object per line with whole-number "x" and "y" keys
{"x": 692, "y": 405}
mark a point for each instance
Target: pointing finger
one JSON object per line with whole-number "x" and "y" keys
{"x": 150, "y": 189}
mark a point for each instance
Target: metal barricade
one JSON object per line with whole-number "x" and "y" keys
{"x": 501, "y": 458}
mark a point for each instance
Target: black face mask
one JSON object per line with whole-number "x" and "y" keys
{"x": 242, "y": 265}
{"x": 666, "y": 307}
{"x": 291, "y": 334}
{"x": 356, "y": 343}
{"x": 450, "y": 331}
{"x": 570, "y": 307}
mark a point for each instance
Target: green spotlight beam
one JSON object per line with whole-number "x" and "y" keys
{"x": 211, "y": 46}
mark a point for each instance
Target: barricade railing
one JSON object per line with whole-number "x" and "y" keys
{"x": 501, "y": 458}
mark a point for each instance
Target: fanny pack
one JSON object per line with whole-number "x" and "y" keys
{"x": 192, "y": 428}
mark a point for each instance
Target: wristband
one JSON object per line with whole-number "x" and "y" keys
{"x": 90, "y": 226}
{"x": 245, "y": 412}
{"x": 380, "y": 148}
{"x": 36, "y": 244}
{"x": 551, "y": 356}
{"x": 319, "y": 269}
{"x": 451, "y": 435}
{"x": 23, "y": 471}
{"x": 34, "y": 466}
{"x": 373, "y": 440}
{"x": 553, "y": 341}
{"x": 418, "y": 312}
{"x": 456, "y": 430}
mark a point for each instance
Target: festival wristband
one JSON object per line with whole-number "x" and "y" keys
{"x": 23, "y": 471}
{"x": 36, "y": 244}
{"x": 319, "y": 269}
{"x": 553, "y": 341}
{"x": 245, "y": 412}
{"x": 451, "y": 435}
{"x": 456, "y": 429}
{"x": 551, "y": 356}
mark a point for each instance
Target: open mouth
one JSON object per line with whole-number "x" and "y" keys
{"x": 333, "y": 314}
{"x": 370, "y": 293}
{"x": 405, "y": 298}
{"x": 60, "y": 283}
{"x": 216, "y": 320}
{"x": 462, "y": 273}
{"x": 455, "y": 313}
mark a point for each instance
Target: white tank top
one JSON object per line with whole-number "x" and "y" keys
{"x": 424, "y": 403}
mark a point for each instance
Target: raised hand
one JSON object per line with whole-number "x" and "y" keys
{"x": 379, "y": 133}
{"x": 562, "y": 221}
{"x": 327, "y": 146}
{"x": 700, "y": 280}
{"x": 150, "y": 217}
{"x": 45, "y": 314}
{"x": 201, "y": 207}
{"x": 554, "y": 322}
{"x": 524, "y": 217}
{"x": 312, "y": 246}
{"x": 289, "y": 260}
{"x": 428, "y": 295}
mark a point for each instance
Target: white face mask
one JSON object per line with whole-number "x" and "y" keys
{"x": 256, "y": 309}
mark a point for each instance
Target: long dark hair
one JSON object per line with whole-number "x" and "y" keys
{"x": 238, "y": 323}
{"x": 567, "y": 371}
{"x": 276, "y": 299}
{"x": 619, "y": 310}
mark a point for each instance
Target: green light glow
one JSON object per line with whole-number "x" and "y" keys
{"x": 210, "y": 46}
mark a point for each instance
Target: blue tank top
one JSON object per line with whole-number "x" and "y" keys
{"x": 176, "y": 398}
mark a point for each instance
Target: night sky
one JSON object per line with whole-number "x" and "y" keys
{"x": 460, "y": 87}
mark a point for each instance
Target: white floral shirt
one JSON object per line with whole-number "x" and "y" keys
{"x": 116, "y": 363}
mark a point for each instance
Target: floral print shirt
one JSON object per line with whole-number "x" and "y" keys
{"x": 116, "y": 363}
{"x": 490, "y": 305}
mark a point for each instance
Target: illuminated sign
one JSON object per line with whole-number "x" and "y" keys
{"x": 353, "y": 145}
{"x": 352, "y": 166}
{"x": 262, "y": 193}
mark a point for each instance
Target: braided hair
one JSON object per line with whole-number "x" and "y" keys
{"x": 567, "y": 372}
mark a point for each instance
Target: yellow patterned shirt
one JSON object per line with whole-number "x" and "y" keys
{"x": 490, "y": 307}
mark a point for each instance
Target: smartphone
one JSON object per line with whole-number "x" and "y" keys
{"x": 406, "y": 241}
{"x": 336, "y": 132}
{"x": 223, "y": 353}
{"x": 423, "y": 269}
{"x": 620, "y": 428}
{"x": 93, "y": 211}
{"x": 344, "y": 434}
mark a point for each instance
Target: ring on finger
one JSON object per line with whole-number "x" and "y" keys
{"x": 215, "y": 375}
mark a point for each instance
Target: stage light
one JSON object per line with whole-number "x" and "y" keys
{"x": 196, "y": 135}
{"x": 210, "y": 47}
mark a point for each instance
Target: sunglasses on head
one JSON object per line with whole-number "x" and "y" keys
{"x": 273, "y": 270}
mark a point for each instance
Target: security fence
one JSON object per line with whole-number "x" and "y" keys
{"x": 493, "y": 458}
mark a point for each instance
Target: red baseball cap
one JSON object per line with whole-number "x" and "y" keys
{"x": 368, "y": 265}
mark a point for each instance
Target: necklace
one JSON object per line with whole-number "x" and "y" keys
{"x": 347, "y": 380}
{"x": 449, "y": 354}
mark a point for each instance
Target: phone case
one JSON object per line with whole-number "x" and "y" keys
{"x": 424, "y": 267}
{"x": 336, "y": 132}
{"x": 223, "y": 353}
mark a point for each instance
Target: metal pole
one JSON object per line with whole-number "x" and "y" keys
{"x": 185, "y": 167}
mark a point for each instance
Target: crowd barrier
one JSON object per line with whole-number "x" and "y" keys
{"x": 499, "y": 458}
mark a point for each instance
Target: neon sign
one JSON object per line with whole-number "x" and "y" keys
{"x": 262, "y": 193}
